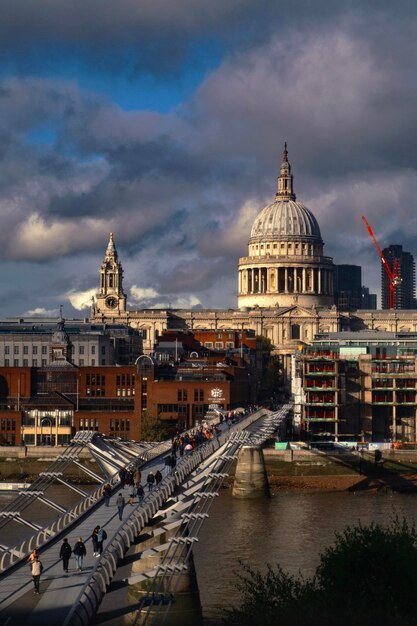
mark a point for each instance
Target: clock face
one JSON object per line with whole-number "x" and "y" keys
{"x": 111, "y": 302}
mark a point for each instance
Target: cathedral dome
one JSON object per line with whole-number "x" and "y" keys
{"x": 285, "y": 219}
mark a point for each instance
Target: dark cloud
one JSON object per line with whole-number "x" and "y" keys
{"x": 180, "y": 190}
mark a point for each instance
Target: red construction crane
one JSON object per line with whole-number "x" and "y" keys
{"x": 394, "y": 278}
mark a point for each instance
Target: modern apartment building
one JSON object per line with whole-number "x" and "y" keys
{"x": 360, "y": 386}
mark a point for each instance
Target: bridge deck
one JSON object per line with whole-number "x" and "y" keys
{"x": 58, "y": 590}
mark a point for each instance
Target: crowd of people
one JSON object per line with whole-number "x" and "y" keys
{"x": 131, "y": 478}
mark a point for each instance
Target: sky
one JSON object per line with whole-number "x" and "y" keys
{"x": 164, "y": 123}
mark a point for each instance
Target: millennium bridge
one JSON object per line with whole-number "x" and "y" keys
{"x": 150, "y": 549}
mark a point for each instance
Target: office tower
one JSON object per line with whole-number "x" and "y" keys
{"x": 404, "y": 293}
{"x": 368, "y": 299}
{"x": 348, "y": 287}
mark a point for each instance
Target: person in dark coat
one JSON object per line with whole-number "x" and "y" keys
{"x": 158, "y": 477}
{"x": 141, "y": 493}
{"x": 101, "y": 536}
{"x": 120, "y": 502}
{"x": 79, "y": 552}
{"x": 94, "y": 540}
{"x": 107, "y": 494}
{"x": 65, "y": 554}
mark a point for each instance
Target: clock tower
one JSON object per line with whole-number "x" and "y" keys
{"x": 110, "y": 298}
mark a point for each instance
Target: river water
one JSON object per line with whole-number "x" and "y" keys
{"x": 290, "y": 529}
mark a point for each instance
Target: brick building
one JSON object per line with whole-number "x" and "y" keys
{"x": 47, "y": 405}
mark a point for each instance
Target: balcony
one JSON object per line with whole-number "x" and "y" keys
{"x": 320, "y": 403}
{"x": 321, "y": 388}
{"x": 320, "y": 419}
{"x": 320, "y": 372}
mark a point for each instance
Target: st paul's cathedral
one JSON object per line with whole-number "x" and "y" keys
{"x": 285, "y": 287}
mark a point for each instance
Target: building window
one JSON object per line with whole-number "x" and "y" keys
{"x": 295, "y": 331}
{"x": 93, "y": 362}
{"x": 103, "y": 350}
{"x": 15, "y": 349}
{"x": 6, "y": 362}
{"x": 6, "y": 349}
{"x": 93, "y": 349}
{"x": 81, "y": 350}
{"x": 43, "y": 362}
{"x": 81, "y": 362}
{"x": 219, "y": 345}
{"x": 208, "y": 344}
{"x": 25, "y": 349}
{"x": 35, "y": 362}
{"x": 103, "y": 361}
{"x": 44, "y": 350}
{"x": 16, "y": 363}
{"x": 25, "y": 363}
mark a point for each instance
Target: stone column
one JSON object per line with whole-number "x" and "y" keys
{"x": 319, "y": 280}
{"x": 251, "y": 480}
{"x": 304, "y": 279}
{"x": 286, "y": 280}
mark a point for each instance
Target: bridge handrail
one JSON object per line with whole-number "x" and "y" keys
{"x": 45, "y": 535}
{"x": 89, "y": 598}
{"x": 16, "y": 553}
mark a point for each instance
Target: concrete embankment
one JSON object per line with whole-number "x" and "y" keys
{"x": 18, "y": 465}
{"x": 305, "y": 470}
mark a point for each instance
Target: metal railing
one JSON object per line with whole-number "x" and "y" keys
{"x": 89, "y": 599}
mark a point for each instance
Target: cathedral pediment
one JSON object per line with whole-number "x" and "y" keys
{"x": 298, "y": 311}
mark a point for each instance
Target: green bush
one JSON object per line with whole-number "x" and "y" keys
{"x": 367, "y": 578}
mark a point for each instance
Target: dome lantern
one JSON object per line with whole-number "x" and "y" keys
{"x": 285, "y": 179}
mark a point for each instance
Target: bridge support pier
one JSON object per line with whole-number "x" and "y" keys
{"x": 186, "y": 607}
{"x": 251, "y": 480}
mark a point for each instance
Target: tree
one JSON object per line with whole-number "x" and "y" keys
{"x": 367, "y": 578}
{"x": 271, "y": 378}
{"x": 153, "y": 428}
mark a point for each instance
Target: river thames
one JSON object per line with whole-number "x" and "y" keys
{"x": 290, "y": 529}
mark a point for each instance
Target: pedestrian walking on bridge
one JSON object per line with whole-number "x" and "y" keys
{"x": 65, "y": 554}
{"x": 150, "y": 480}
{"x": 95, "y": 540}
{"x": 101, "y": 536}
{"x": 120, "y": 505}
{"x": 141, "y": 493}
{"x": 37, "y": 569}
{"x": 107, "y": 494}
{"x": 79, "y": 552}
{"x": 158, "y": 477}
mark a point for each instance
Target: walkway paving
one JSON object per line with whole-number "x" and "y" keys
{"x": 58, "y": 590}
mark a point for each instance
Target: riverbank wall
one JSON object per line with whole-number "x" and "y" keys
{"x": 18, "y": 465}
{"x": 312, "y": 470}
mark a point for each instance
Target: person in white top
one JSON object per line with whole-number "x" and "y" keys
{"x": 37, "y": 569}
